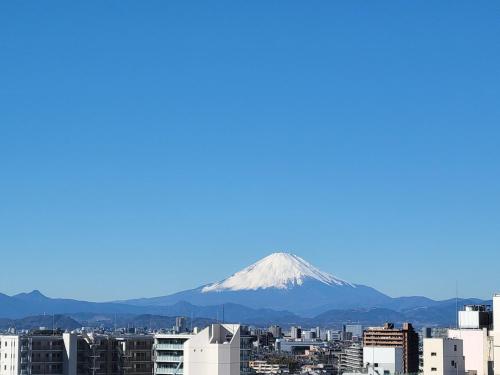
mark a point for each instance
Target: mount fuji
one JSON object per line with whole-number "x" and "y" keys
{"x": 280, "y": 289}
{"x": 280, "y": 281}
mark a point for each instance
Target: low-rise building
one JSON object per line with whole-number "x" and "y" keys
{"x": 443, "y": 356}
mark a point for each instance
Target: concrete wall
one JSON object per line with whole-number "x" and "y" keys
{"x": 443, "y": 356}
{"x": 385, "y": 359}
{"x": 70, "y": 353}
{"x": 214, "y": 351}
{"x": 476, "y": 348}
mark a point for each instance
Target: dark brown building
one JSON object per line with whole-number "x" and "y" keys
{"x": 388, "y": 336}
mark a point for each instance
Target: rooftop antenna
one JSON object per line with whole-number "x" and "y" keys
{"x": 456, "y": 304}
{"x": 222, "y": 313}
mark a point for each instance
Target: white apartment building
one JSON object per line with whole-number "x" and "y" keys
{"x": 41, "y": 353}
{"x": 443, "y": 356}
{"x": 213, "y": 351}
{"x": 169, "y": 353}
{"x": 383, "y": 360}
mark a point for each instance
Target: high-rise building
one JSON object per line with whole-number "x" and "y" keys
{"x": 388, "y": 336}
{"x": 333, "y": 335}
{"x": 276, "y": 331}
{"x": 443, "y": 356}
{"x": 246, "y": 345}
{"x": 356, "y": 330}
{"x": 180, "y": 324}
{"x": 295, "y": 332}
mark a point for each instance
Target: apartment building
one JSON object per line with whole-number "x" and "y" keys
{"x": 44, "y": 352}
{"x": 351, "y": 358}
{"x": 169, "y": 353}
{"x": 388, "y": 336}
{"x": 135, "y": 354}
{"x": 97, "y": 355}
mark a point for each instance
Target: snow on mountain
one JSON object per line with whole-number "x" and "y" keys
{"x": 279, "y": 271}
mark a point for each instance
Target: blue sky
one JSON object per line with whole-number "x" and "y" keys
{"x": 149, "y": 147}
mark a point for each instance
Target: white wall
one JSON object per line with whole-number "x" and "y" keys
{"x": 10, "y": 355}
{"x": 208, "y": 352}
{"x": 386, "y": 359}
{"x": 70, "y": 353}
{"x": 476, "y": 348}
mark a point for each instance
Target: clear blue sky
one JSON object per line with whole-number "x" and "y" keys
{"x": 152, "y": 146}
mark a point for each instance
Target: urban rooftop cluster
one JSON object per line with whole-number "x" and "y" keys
{"x": 234, "y": 349}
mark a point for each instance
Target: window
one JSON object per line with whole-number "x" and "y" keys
{"x": 453, "y": 364}
{"x": 434, "y": 369}
{"x": 454, "y": 347}
{"x": 433, "y": 354}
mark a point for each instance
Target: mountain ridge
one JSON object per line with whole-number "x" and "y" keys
{"x": 279, "y": 287}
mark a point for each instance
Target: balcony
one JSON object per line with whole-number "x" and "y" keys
{"x": 168, "y": 371}
{"x": 169, "y": 358}
{"x": 169, "y": 347}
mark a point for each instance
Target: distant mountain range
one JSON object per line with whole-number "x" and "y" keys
{"x": 281, "y": 288}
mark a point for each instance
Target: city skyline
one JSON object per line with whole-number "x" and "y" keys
{"x": 177, "y": 144}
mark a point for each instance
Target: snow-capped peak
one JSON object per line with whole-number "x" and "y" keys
{"x": 278, "y": 270}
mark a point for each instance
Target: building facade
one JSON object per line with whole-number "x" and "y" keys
{"x": 383, "y": 360}
{"x": 213, "y": 351}
{"x": 388, "y": 336}
{"x": 169, "y": 353}
{"x": 443, "y": 356}
{"x": 351, "y": 358}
